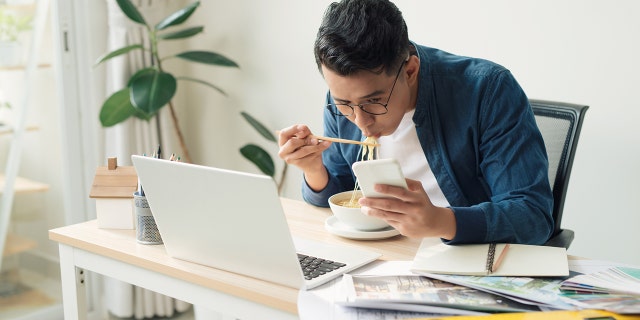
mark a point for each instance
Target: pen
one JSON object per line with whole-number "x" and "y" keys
{"x": 496, "y": 265}
{"x": 140, "y": 190}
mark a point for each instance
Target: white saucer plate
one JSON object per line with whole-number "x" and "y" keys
{"x": 333, "y": 225}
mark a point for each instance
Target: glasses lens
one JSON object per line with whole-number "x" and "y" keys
{"x": 340, "y": 109}
{"x": 374, "y": 108}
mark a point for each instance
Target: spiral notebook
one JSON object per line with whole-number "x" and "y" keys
{"x": 491, "y": 260}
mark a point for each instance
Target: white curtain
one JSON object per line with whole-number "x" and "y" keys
{"x": 134, "y": 137}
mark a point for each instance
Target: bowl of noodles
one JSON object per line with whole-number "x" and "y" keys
{"x": 346, "y": 209}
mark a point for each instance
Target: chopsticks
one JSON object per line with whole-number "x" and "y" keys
{"x": 346, "y": 141}
{"x": 339, "y": 140}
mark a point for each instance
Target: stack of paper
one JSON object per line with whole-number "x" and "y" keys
{"x": 485, "y": 278}
{"x": 615, "y": 289}
{"x": 523, "y": 273}
{"x": 621, "y": 280}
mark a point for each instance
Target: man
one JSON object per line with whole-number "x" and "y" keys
{"x": 462, "y": 129}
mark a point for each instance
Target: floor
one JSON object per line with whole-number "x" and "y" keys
{"x": 182, "y": 316}
{"x": 29, "y": 293}
{"x": 189, "y": 315}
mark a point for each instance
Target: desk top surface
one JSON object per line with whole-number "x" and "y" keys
{"x": 305, "y": 221}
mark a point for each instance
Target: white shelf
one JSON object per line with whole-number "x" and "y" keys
{"x": 17, "y": 244}
{"x": 24, "y": 185}
{"x": 28, "y": 294}
{"x": 5, "y": 129}
{"x": 23, "y": 67}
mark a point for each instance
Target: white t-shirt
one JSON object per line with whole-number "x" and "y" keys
{"x": 404, "y": 146}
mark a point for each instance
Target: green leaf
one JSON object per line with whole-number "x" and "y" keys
{"x": 118, "y": 52}
{"x": 185, "y": 33}
{"x": 203, "y": 82}
{"x": 208, "y": 57}
{"x": 151, "y": 89}
{"x": 140, "y": 73}
{"x": 177, "y": 17}
{"x": 266, "y": 133}
{"x": 260, "y": 158}
{"x": 131, "y": 11}
{"x": 142, "y": 115}
{"x": 116, "y": 108}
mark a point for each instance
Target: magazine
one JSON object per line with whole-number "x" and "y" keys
{"x": 414, "y": 292}
{"x": 547, "y": 292}
{"x": 619, "y": 280}
{"x": 543, "y": 292}
{"x": 616, "y": 289}
{"x": 618, "y": 303}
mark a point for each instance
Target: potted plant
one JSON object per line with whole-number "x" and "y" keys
{"x": 152, "y": 87}
{"x": 11, "y": 25}
{"x": 261, "y": 158}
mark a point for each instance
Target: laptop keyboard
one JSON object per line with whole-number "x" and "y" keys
{"x": 313, "y": 267}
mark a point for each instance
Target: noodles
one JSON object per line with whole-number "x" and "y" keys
{"x": 370, "y": 148}
{"x": 369, "y": 154}
{"x": 349, "y": 203}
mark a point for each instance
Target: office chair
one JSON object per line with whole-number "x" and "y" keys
{"x": 560, "y": 124}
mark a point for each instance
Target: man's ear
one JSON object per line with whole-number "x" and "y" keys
{"x": 411, "y": 69}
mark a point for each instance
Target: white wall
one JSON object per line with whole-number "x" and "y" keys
{"x": 574, "y": 51}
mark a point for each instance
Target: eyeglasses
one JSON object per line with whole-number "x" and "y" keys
{"x": 374, "y": 108}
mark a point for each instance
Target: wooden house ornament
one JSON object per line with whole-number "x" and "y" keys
{"x": 113, "y": 188}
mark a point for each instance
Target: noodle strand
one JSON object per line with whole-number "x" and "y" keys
{"x": 370, "y": 149}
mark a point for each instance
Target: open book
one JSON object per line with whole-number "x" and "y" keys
{"x": 491, "y": 260}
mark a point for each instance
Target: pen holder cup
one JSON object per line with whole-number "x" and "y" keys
{"x": 147, "y": 230}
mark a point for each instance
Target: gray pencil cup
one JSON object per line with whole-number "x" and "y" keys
{"x": 147, "y": 230}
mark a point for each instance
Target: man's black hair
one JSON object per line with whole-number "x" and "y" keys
{"x": 362, "y": 35}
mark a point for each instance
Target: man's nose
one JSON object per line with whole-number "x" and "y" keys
{"x": 361, "y": 118}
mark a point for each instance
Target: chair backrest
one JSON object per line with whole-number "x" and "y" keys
{"x": 560, "y": 124}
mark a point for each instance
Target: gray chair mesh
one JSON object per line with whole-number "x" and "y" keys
{"x": 560, "y": 124}
{"x": 554, "y": 132}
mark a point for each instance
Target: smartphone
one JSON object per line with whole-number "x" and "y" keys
{"x": 380, "y": 171}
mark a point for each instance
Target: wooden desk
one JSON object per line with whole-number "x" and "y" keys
{"x": 115, "y": 253}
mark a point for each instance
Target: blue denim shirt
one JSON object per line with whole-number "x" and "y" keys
{"x": 479, "y": 134}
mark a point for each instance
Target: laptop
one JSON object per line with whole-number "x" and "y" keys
{"x": 234, "y": 221}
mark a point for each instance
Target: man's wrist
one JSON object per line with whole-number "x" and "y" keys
{"x": 317, "y": 179}
{"x": 448, "y": 220}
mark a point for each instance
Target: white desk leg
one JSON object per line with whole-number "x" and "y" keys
{"x": 74, "y": 294}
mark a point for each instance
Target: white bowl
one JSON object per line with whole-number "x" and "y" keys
{"x": 353, "y": 217}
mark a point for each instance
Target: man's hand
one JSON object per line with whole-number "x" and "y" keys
{"x": 298, "y": 148}
{"x": 410, "y": 211}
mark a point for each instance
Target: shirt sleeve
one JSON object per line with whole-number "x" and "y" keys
{"x": 513, "y": 168}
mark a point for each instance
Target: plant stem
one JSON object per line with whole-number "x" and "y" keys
{"x": 174, "y": 118}
{"x": 154, "y": 46}
{"x": 176, "y": 126}
{"x": 282, "y": 178}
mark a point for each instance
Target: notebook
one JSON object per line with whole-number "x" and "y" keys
{"x": 491, "y": 260}
{"x": 233, "y": 221}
